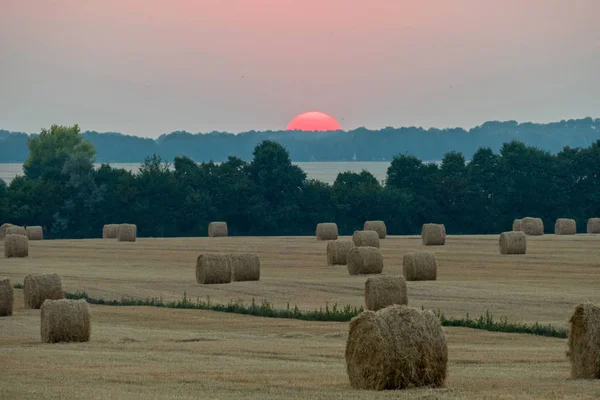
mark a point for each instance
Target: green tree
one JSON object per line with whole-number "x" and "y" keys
{"x": 277, "y": 187}
{"x": 50, "y": 150}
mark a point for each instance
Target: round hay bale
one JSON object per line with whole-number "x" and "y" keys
{"x": 377, "y": 226}
{"x": 3, "y": 229}
{"x": 419, "y": 266}
{"x": 365, "y": 238}
{"x": 533, "y": 226}
{"x": 337, "y": 251}
{"x": 593, "y": 225}
{"x": 517, "y": 225}
{"x": 217, "y": 229}
{"x": 110, "y": 231}
{"x": 382, "y": 291}
{"x": 513, "y": 242}
{"x": 16, "y": 230}
{"x": 327, "y": 231}
{"x": 65, "y": 321}
{"x": 38, "y": 288}
{"x": 16, "y": 246}
{"x": 35, "y": 233}
{"x": 127, "y": 233}
{"x": 244, "y": 267}
{"x": 213, "y": 268}
{"x": 564, "y": 226}
{"x": 7, "y": 296}
{"x": 397, "y": 347}
{"x": 433, "y": 234}
{"x": 364, "y": 260}
{"x": 584, "y": 342}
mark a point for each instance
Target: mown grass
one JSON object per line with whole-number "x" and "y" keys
{"x": 329, "y": 313}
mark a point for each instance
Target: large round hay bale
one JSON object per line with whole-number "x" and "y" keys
{"x": 565, "y": 226}
{"x": 110, "y": 231}
{"x": 38, "y": 288}
{"x": 7, "y": 296}
{"x": 517, "y": 225}
{"x": 327, "y": 231}
{"x": 16, "y": 230}
{"x": 593, "y": 225}
{"x": 377, "y": 226}
{"x": 364, "y": 260}
{"x": 35, "y": 233}
{"x": 213, "y": 268}
{"x": 127, "y": 233}
{"x": 16, "y": 246}
{"x": 397, "y": 347}
{"x": 244, "y": 267}
{"x": 584, "y": 342}
{"x": 419, "y": 266}
{"x": 513, "y": 242}
{"x": 433, "y": 234}
{"x": 65, "y": 321}
{"x": 217, "y": 229}
{"x": 337, "y": 251}
{"x": 3, "y": 229}
{"x": 365, "y": 238}
{"x": 533, "y": 226}
{"x": 382, "y": 291}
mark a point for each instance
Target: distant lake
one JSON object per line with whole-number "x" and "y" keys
{"x": 323, "y": 171}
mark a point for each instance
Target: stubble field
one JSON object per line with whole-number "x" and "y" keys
{"x": 146, "y": 353}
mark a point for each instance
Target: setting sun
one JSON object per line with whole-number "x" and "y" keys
{"x": 313, "y": 121}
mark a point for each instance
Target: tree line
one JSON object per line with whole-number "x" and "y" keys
{"x": 360, "y": 144}
{"x": 268, "y": 195}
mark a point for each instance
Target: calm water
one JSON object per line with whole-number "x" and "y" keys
{"x": 323, "y": 171}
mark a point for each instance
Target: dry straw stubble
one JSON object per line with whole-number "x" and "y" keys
{"x": 385, "y": 290}
{"x": 35, "y": 233}
{"x": 38, "y": 288}
{"x": 327, "y": 231}
{"x": 217, "y": 229}
{"x": 593, "y": 225}
{"x": 584, "y": 342}
{"x": 513, "y": 242}
{"x": 16, "y": 246}
{"x": 365, "y": 238}
{"x": 364, "y": 260}
{"x": 565, "y": 226}
{"x": 65, "y": 321}
{"x": 337, "y": 251}
{"x": 7, "y": 297}
{"x": 433, "y": 234}
{"x": 419, "y": 266}
{"x": 213, "y": 268}
{"x": 533, "y": 226}
{"x": 110, "y": 231}
{"x": 244, "y": 267}
{"x": 397, "y": 347}
{"x": 127, "y": 233}
{"x": 377, "y": 226}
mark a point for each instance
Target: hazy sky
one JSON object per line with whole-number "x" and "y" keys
{"x": 147, "y": 67}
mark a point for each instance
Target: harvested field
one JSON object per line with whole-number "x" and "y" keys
{"x": 543, "y": 285}
{"x": 144, "y": 353}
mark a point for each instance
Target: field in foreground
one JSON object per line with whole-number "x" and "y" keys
{"x": 154, "y": 353}
{"x": 145, "y": 352}
{"x": 541, "y": 286}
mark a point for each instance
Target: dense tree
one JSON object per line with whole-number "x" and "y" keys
{"x": 270, "y": 196}
{"x": 361, "y": 144}
{"x": 49, "y": 151}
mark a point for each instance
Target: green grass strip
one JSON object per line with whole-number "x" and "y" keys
{"x": 333, "y": 313}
